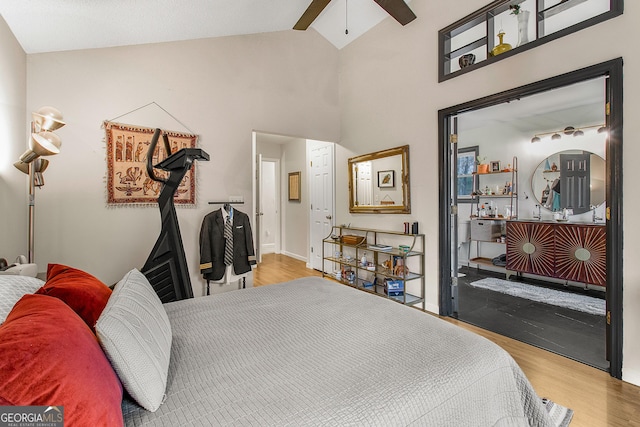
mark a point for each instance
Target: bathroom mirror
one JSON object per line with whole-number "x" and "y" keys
{"x": 573, "y": 179}
{"x": 379, "y": 182}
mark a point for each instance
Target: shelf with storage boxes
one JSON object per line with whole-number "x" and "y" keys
{"x": 387, "y": 263}
{"x": 494, "y": 201}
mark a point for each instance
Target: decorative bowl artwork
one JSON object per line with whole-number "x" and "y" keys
{"x": 466, "y": 60}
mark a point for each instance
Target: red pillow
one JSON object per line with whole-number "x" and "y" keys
{"x": 85, "y": 294}
{"x": 48, "y": 357}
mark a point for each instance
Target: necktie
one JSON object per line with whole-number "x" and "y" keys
{"x": 228, "y": 244}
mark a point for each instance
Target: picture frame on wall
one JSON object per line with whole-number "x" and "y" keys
{"x": 294, "y": 186}
{"x": 386, "y": 179}
{"x": 495, "y": 166}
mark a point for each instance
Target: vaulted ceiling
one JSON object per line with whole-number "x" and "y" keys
{"x": 54, "y": 25}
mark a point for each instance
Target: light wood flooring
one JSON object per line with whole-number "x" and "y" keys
{"x": 596, "y": 398}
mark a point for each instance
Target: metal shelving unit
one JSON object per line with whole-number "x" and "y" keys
{"x": 513, "y": 207}
{"x": 343, "y": 249}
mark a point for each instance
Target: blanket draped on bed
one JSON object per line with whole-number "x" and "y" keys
{"x": 314, "y": 352}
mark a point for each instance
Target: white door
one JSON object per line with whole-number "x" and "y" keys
{"x": 322, "y": 198}
{"x": 269, "y": 211}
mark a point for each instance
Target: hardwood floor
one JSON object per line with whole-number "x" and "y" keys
{"x": 596, "y": 398}
{"x": 276, "y": 268}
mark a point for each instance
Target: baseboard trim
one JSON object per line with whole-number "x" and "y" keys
{"x": 295, "y": 256}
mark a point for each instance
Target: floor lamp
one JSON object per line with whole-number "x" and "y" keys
{"x": 43, "y": 142}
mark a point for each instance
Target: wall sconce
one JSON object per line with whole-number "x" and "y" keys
{"x": 42, "y": 142}
{"x": 568, "y": 131}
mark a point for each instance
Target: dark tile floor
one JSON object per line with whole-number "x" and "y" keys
{"x": 574, "y": 334}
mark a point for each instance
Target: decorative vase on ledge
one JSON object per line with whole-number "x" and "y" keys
{"x": 523, "y": 27}
{"x": 502, "y": 47}
{"x": 483, "y": 168}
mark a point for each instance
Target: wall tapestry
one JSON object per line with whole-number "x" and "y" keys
{"x": 127, "y": 179}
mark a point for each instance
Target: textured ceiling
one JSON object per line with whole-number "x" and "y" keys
{"x": 55, "y": 25}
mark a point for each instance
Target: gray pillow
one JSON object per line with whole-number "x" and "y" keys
{"x": 12, "y": 288}
{"x": 135, "y": 334}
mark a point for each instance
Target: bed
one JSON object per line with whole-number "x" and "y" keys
{"x": 305, "y": 352}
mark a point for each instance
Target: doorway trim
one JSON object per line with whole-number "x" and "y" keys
{"x": 613, "y": 70}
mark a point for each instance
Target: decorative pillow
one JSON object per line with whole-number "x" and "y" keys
{"x": 12, "y": 288}
{"x": 48, "y": 356}
{"x": 81, "y": 291}
{"x": 135, "y": 333}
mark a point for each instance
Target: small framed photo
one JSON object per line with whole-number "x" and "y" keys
{"x": 294, "y": 186}
{"x": 495, "y": 166}
{"x": 386, "y": 179}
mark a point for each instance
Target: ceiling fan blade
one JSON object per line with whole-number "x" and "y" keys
{"x": 312, "y": 12}
{"x": 398, "y": 9}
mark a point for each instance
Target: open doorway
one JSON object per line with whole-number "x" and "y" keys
{"x": 269, "y": 214}
{"x": 518, "y": 184}
{"x": 304, "y": 214}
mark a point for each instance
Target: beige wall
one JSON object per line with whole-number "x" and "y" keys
{"x": 390, "y": 96}
{"x": 295, "y": 215}
{"x": 13, "y": 142}
{"x": 222, "y": 89}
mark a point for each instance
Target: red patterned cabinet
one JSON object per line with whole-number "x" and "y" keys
{"x": 575, "y": 252}
{"x": 530, "y": 248}
{"x": 581, "y": 253}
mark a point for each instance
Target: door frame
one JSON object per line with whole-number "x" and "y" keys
{"x": 612, "y": 69}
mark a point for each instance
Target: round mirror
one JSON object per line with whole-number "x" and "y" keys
{"x": 571, "y": 179}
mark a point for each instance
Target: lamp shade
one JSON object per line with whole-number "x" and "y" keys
{"x": 39, "y": 165}
{"x": 28, "y": 156}
{"x": 48, "y": 118}
{"x": 45, "y": 143}
{"x": 22, "y": 167}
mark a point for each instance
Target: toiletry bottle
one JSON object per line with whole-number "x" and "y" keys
{"x": 483, "y": 212}
{"x": 363, "y": 261}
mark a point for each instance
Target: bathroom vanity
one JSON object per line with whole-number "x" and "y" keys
{"x": 562, "y": 250}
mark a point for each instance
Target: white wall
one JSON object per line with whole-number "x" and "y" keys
{"x": 295, "y": 218}
{"x": 390, "y": 96}
{"x": 220, "y": 88}
{"x": 13, "y": 142}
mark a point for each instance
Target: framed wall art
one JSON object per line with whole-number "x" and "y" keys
{"x": 127, "y": 179}
{"x": 495, "y": 166}
{"x": 294, "y": 186}
{"x": 386, "y": 179}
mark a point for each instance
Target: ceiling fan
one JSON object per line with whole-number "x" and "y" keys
{"x": 398, "y": 9}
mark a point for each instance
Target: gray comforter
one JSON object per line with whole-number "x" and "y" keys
{"x": 314, "y": 352}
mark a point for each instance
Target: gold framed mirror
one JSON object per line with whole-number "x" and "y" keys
{"x": 379, "y": 182}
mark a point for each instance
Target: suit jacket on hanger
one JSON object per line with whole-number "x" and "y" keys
{"x": 212, "y": 245}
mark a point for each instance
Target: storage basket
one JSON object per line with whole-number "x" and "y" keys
{"x": 350, "y": 239}
{"x": 488, "y": 230}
